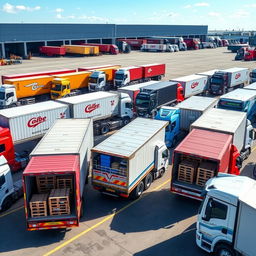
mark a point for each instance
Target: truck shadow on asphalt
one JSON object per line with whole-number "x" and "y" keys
{"x": 154, "y": 212}
{"x": 183, "y": 244}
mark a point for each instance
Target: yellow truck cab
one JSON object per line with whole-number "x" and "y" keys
{"x": 60, "y": 88}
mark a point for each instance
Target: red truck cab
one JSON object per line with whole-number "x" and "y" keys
{"x": 199, "y": 157}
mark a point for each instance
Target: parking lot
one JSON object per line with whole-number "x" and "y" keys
{"x": 158, "y": 223}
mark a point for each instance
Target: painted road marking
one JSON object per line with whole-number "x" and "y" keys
{"x": 102, "y": 221}
{"x": 12, "y": 211}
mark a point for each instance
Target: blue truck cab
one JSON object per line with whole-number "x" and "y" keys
{"x": 243, "y": 100}
{"x": 172, "y": 115}
{"x": 182, "y": 116}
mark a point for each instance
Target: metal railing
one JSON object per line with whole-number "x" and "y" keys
{"x": 119, "y": 171}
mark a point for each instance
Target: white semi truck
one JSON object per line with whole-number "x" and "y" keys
{"x": 226, "y": 223}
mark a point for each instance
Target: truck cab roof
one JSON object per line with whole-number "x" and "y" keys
{"x": 239, "y": 94}
{"x": 232, "y": 188}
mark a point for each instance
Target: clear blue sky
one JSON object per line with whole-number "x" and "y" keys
{"x": 218, "y": 14}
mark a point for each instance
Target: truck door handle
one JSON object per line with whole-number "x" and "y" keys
{"x": 224, "y": 231}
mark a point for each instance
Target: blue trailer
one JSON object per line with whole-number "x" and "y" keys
{"x": 182, "y": 116}
{"x": 243, "y": 100}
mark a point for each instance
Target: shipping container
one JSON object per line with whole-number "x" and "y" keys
{"x": 153, "y": 70}
{"x": 59, "y": 163}
{"x": 28, "y": 123}
{"x": 77, "y": 49}
{"x": 52, "y": 50}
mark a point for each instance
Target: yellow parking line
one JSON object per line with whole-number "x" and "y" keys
{"x": 254, "y": 149}
{"x": 101, "y": 222}
{"x": 12, "y": 211}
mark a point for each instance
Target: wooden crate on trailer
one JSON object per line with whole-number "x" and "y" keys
{"x": 38, "y": 205}
{"x": 45, "y": 183}
{"x": 59, "y": 201}
{"x": 187, "y": 171}
{"x": 64, "y": 182}
{"x": 205, "y": 172}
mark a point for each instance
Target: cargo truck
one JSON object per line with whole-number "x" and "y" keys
{"x": 235, "y": 47}
{"x": 157, "y": 48}
{"x": 55, "y": 177}
{"x": 52, "y": 50}
{"x": 109, "y": 110}
{"x": 226, "y": 80}
{"x": 133, "y": 90}
{"x": 105, "y": 48}
{"x": 250, "y": 54}
{"x": 10, "y": 190}
{"x": 130, "y": 75}
{"x": 152, "y": 97}
{"x": 135, "y": 44}
{"x": 23, "y": 124}
{"x": 229, "y": 122}
{"x": 240, "y": 100}
{"x": 192, "y": 84}
{"x": 200, "y": 156}
{"x": 182, "y": 116}
{"x": 192, "y": 43}
{"x": 209, "y": 75}
{"x": 71, "y": 84}
{"x": 226, "y": 219}
{"x": 102, "y": 79}
{"x": 123, "y": 47}
{"x": 126, "y": 163}
{"x": 41, "y": 73}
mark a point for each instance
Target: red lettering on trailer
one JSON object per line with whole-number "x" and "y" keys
{"x": 35, "y": 121}
{"x": 194, "y": 85}
{"x": 237, "y": 75}
{"x": 149, "y": 70}
{"x": 62, "y": 115}
{"x": 112, "y": 102}
{"x": 91, "y": 107}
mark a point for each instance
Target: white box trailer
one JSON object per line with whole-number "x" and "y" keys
{"x": 251, "y": 86}
{"x": 225, "y": 121}
{"x": 208, "y": 74}
{"x": 110, "y": 110}
{"x": 130, "y": 159}
{"x": 192, "y": 84}
{"x": 157, "y": 48}
{"x": 192, "y": 108}
{"x": 237, "y": 76}
{"x": 32, "y": 121}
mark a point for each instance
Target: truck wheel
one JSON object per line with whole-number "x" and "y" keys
{"x": 7, "y": 203}
{"x": 161, "y": 172}
{"x": 104, "y": 129}
{"x": 224, "y": 250}
{"x": 126, "y": 121}
{"x": 137, "y": 192}
{"x": 148, "y": 181}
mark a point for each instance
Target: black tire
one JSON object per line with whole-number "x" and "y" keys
{"x": 104, "y": 129}
{"x": 137, "y": 192}
{"x": 161, "y": 172}
{"x": 224, "y": 250}
{"x": 148, "y": 181}
{"x": 126, "y": 121}
{"x": 7, "y": 203}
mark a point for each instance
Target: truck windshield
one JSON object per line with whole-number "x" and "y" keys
{"x": 253, "y": 74}
{"x": 142, "y": 101}
{"x": 2, "y": 95}
{"x": 231, "y": 104}
{"x": 119, "y": 76}
{"x": 216, "y": 80}
{"x": 57, "y": 87}
{"x": 93, "y": 80}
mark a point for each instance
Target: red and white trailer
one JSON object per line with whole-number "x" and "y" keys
{"x": 40, "y": 73}
{"x": 52, "y": 50}
{"x": 138, "y": 74}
